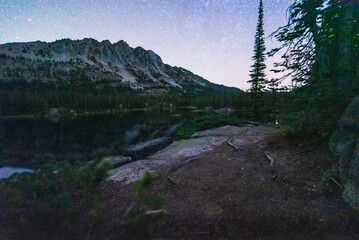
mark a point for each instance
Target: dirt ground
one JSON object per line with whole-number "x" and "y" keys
{"x": 228, "y": 194}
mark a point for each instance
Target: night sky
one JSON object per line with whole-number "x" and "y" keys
{"x": 212, "y": 38}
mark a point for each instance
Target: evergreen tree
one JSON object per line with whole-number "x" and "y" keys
{"x": 321, "y": 55}
{"x": 257, "y": 74}
{"x": 321, "y": 44}
{"x": 301, "y": 39}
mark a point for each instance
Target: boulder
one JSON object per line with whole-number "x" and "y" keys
{"x": 144, "y": 149}
{"x": 7, "y": 171}
{"x": 344, "y": 143}
{"x": 54, "y": 112}
{"x": 174, "y": 155}
{"x": 219, "y": 131}
{"x": 244, "y": 130}
{"x": 224, "y": 111}
{"x": 117, "y": 161}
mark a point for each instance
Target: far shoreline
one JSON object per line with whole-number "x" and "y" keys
{"x": 193, "y": 109}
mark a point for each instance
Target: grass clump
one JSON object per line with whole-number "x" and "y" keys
{"x": 155, "y": 201}
{"x": 55, "y": 200}
{"x": 207, "y": 121}
{"x": 147, "y": 180}
{"x": 146, "y": 202}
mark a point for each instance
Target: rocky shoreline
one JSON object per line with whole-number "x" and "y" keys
{"x": 184, "y": 151}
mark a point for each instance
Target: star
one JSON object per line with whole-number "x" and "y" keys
{"x": 212, "y": 38}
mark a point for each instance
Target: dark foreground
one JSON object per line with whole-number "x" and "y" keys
{"x": 228, "y": 194}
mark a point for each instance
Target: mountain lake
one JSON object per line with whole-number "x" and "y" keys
{"x": 78, "y": 138}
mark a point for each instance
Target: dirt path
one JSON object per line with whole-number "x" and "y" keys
{"x": 243, "y": 194}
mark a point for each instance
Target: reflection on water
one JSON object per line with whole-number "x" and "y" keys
{"x": 79, "y": 138}
{"x": 6, "y": 172}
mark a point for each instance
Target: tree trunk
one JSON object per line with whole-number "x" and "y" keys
{"x": 347, "y": 58}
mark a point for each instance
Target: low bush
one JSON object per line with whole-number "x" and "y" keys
{"x": 101, "y": 153}
{"x": 207, "y": 121}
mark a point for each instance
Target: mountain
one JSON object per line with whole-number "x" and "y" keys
{"x": 76, "y": 61}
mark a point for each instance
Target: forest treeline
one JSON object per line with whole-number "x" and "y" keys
{"x": 21, "y": 98}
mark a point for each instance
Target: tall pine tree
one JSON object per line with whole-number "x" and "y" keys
{"x": 257, "y": 74}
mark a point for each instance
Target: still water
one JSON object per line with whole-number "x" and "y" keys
{"x": 78, "y": 138}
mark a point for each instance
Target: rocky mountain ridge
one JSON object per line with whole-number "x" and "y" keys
{"x": 104, "y": 63}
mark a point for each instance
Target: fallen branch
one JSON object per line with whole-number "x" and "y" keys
{"x": 128, "y": 210}
{"x": 171, "y": 180}
{"x": 236, "y": 148}
{"x": 305, "y": 151}
{"x": 308, "y": 143}
{"x": 254, "y": 123}
{"x": 271, "y": 159}
{"x": 336, "y": 182}
{"x": 175, "y": 169}
{"x": 155, "y": 212}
